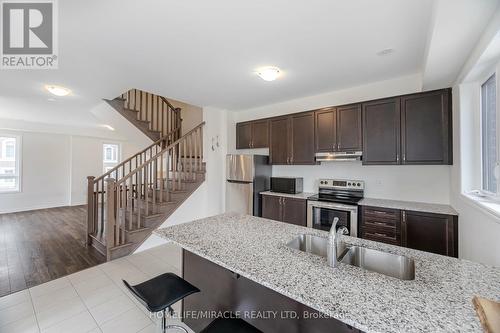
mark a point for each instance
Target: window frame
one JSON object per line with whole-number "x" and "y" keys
{"x": 488, "y": 75}
{"x": 18, "y": 161}
{"x": 106, "y": 163}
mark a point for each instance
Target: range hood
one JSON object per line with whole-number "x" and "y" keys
{"x": 339, "y": 156}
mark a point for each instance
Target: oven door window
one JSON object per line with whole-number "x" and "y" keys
{"x": 323, "y": 218}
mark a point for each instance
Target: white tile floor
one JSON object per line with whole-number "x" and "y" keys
{"x": 91, "y": 301}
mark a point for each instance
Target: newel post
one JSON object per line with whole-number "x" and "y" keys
{"x": 90, "y": 209}
{"x": 110, "y": 215}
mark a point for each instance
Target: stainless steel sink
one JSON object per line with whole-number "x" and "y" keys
{"x": 389, "y": 264}
{"x": 309, "y": 243}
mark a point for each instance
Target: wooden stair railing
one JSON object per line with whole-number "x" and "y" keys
{"x": 162, "y": 116}
{"x": 120, "y": 204}
{"x": 96, "y": 187}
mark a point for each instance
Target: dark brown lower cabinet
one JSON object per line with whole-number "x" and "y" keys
{"x": 430, "y": 232}
{"x": 271, "y": 207}
{"x": 285, "y": 209}
{"x": 223, "y": 290}
{"x": 381, "y": 225}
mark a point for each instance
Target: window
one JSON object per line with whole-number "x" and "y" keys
{"x": 10, "y": 163}
{"x": 111, "y": 155}
{"x": 489, "y": 136}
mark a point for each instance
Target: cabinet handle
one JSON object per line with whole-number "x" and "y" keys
{"x": 403, "y": 230}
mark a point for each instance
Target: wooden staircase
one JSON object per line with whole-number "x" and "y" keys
{"x": 153, "y": 115}
{"x": 128, "y": 202}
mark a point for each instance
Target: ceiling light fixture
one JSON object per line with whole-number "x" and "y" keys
{"x": 58, "y": 90}
{"x": 385, "y": 52}
{"x": 268, "y": 73}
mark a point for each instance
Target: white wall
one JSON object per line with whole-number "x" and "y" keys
{"x": 86, "y": 160}
{"x": 388, "y": 182}
{"x": 410, "y": 183}
{"x": 479, "y": 229}
{"x": 45, "y": 173}
{"x": 209, "y": 198}
{"x": 55, "y": 166}
{"x": 191, "y": 115}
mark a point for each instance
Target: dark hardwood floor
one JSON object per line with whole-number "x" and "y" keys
{"x": 42, "y": 245}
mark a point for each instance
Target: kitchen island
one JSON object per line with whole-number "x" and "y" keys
{"x": 439, "y": 299}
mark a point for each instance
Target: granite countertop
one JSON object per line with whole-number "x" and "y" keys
{"x": 303, "y": 195}
{"x": 409, "y": 205}
{"x": 438, "y": 300}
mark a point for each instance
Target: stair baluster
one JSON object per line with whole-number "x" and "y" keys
{"x": 127, "y": 196}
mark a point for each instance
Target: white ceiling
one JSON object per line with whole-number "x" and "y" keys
{"x": 205, "y": 52}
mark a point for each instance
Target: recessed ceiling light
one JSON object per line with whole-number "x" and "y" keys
{"x": 269, "y": 73}
{"x": 109, "y": 127}
{"x": 58, "y": 90}
{"x": 385, "y": 52}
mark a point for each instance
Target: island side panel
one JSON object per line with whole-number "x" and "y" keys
{"x": 269, "y": 311}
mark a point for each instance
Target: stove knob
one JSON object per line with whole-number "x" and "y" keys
{"x": 359, "y": 184}
{"x": 348, "y": 184}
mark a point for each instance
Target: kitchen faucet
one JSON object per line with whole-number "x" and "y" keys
{"x": 331, "y": 254}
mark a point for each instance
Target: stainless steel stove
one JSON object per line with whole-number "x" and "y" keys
{"x": 335, "y": 198}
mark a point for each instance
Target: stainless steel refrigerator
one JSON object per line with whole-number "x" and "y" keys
{"x": 246, "y": 177}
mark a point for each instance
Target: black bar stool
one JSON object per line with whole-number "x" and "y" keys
{"x": 161, "y": 292}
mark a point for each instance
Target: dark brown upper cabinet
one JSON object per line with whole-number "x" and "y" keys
{"x": 381, "y": 132}
{"x": 408, "y": 129}
{"x": 278, "y": 141}
{"x": 426, "y": 128}
{"x": 302, "y": 139}
{"x": 326, "y": 130}
{"x": 339, "y": 129}
{"x": 291, "y": 139}
{"x": 243, "y": 135}
{"x": 349, "y": 133}
{"x": 260, "y": 134}
{"x": 252, "y": 134}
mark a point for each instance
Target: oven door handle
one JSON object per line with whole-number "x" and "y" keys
{"x": 330, "y": 205}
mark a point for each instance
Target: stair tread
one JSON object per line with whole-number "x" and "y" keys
{"x": 193, "y": 168}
